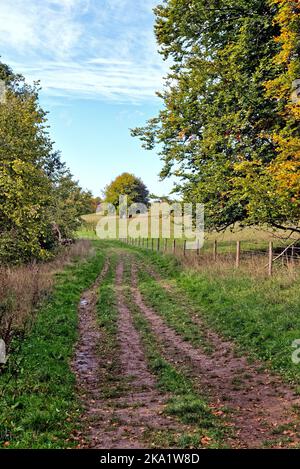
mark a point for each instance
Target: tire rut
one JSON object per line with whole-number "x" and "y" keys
{"x": 259, "y": 400}
{"x": 117, "y": 422}
{"x": 85, "y": 361}
{"x": 141, "y": 407}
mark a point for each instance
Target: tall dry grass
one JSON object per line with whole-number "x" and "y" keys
{"x": 22, "y": 288}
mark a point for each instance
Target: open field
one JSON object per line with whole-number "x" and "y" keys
{"x": 220, "y": 248}
{"x": 249, "y": 235}
{"x": 133, "y": 350}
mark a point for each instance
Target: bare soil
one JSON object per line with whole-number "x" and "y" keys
{"x": 121, "y": 421}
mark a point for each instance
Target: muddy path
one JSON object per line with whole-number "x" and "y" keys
{"x": 262, "y": 407}
{"x": 123, "y": 419}
{"x": 85, "y": 361}
{"x": 141, "y": 407}
{"x": 259, "y": 401}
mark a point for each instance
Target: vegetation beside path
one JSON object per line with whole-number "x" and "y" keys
{"x": 38, "y": 403}
{"x": 261, "y": 315}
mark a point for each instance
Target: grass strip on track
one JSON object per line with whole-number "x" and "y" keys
{"x": 113, "y": 385}
{"x": 172, "y": 309}
{"x": 185, "y": 404}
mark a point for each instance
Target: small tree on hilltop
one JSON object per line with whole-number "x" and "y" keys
{"x": 127, "y": 184}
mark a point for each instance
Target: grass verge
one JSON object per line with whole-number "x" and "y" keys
{"x": 38, "y": 404}
{"x": 261, "y": 315}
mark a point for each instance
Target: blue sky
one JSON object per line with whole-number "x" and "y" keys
{"x": 99, "y": 69}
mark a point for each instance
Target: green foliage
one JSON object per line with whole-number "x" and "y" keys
{"x": 69, "y": 203}
{"x": 217, "y": 126}
{"x": 36, "y": 190}
{"x": 127, "y": 184}
{"x": 93, "y": 205}
{"x": 25, "y": 188}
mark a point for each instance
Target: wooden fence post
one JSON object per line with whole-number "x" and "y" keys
{"x": 158, "y": 244}
{"x": 198, "y": 247}
{"x": 174, "y": 246}
{"x": 270, "y": 269}
{"x": 166, "y": 245}
{"x": 238, "y": 254}
{"x": 215, "y": 250}
{"x": 152, "y": 244}
{"x": 184, "y": 248}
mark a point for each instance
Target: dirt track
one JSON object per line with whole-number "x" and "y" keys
{"x": 258, "y": 399}
{"x": 117, "y": 422}
{"x": 259, "y": 402}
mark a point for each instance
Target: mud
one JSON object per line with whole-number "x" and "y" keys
{"x": 117, "y": 422}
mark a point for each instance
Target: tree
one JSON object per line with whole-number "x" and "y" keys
{"x": 95, "y": 202}
{"x": 36, "y": 189}
{"x": 273, "y": 189}
{"x": 218, "y": 131}
{"x": 26, "y": 155}
{"x": 68, "y": 204}
{"x": 127, "y": 184}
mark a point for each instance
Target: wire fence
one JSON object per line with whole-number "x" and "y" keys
{"x": 236, "y": 252}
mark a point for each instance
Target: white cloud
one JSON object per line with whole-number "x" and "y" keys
{"x": 85, "y": 48}
{"x": 100, "y": 79}
{"x": 40, "y": 27}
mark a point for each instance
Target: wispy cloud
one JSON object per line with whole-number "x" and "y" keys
{"x": 84, "y": 48}
{"x": 110, "y": 80}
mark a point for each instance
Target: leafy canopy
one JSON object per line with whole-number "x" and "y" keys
{"x": 36, "y": 190}
{"x": 127, "y": 184}
{"x": 228, "y": 130}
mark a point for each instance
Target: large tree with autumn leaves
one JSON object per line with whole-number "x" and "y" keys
{"x": 229, "y": 128}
